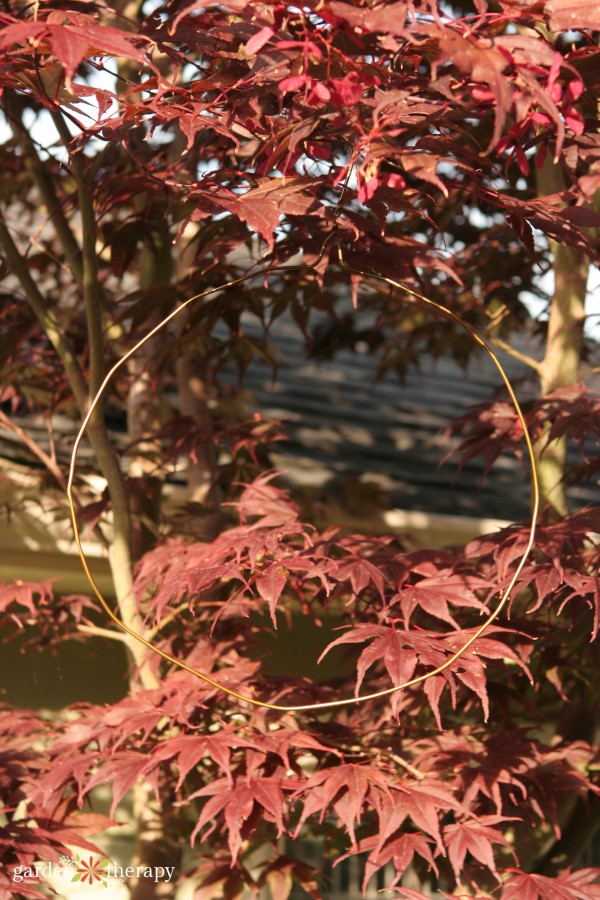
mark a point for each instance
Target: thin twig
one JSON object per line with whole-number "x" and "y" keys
{"x": 152, "y": 632}
{"x": 96, "y": 631}
{"x": 516, "y": 354}
{"x": 49, "y": 463}
{"x": 51, "y": 441}
{"x": 377, "y": 751}
{"x": 406, "y": 765}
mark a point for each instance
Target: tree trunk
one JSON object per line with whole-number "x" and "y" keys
{"x": 144, "y": 414}
{"x": 561, "y": 363}
{"x": 194, "y": 396}
{"x": 201, "y": 471}
{"x": 155, "y": 848}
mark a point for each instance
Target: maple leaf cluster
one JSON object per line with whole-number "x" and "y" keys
{"x": 492, "y": 428}
{"x": 405, "y": 785}
{"x": 23, "y": 841}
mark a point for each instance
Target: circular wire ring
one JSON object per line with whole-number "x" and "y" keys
{"x": 412, "y": 296}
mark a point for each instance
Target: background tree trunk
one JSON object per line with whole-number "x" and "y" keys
{"x": 561, "y": 364}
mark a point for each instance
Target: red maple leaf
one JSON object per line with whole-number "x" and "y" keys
{"x": 474, "y": 836}
{"x": 71, "y": 42}
{"x": 567, "y": 886}
{"x": 237, "y": 802}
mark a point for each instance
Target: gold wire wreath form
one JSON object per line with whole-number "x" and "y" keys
{"x": 413, "y": 297}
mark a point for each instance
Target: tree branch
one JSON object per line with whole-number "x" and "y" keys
{"x": 46, "y": 188}
{"x": 92, "y": 294}
{"x": 18, "y": 265}
{"x": 96, "y": 631}
{"x": 31, "y": 445}
{"x": 48, "y": 461}
{"x": 120, "y": 552}
{"x": 516, "y": 354}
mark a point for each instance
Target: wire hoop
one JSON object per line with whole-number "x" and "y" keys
{"x": 411, "y": 296}
{"x": 414, "y": 297}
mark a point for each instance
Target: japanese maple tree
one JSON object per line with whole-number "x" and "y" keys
{"x": 153, "y": 152}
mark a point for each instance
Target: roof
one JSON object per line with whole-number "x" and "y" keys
{"x": 347, "y": 427}
{"x": 367, "y": 452}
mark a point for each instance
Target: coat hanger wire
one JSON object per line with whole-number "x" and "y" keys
{"x": 410, "y": 296}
